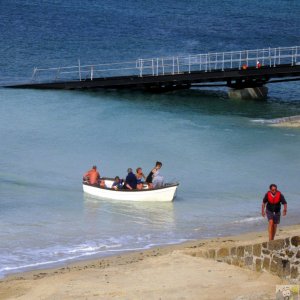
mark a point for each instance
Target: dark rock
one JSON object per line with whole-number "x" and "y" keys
{"x": 283, "y": 268}
{"x": 273, "y": 267}
{"x": 294, "y": 272}
{"x": 298, "y": 254}
{"x": 235, "y": 261}
{"x": 248, "y": 249}
{"x": 212, "y": 253}
{"x": 295, "y": 241}
{"x": 265, "y": 245}
{"x": 258, "y": 265}
{"x": 267, "y": 252}
{"x": 289, "y": 253}
{"x": 287, "y": 242}
{"x": 266, "y": 263}
{"x": 248, "y": 261}
{"x": 233, "y": 251}
{"x": 223, "y": 252}
{"x": 240, "y": 251}
{"x": 257, "y": 250}
{"x": 276, "y": 245}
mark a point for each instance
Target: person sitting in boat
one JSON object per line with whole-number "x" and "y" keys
{"x": 130, "y": 181}
{"x": 117, "y": 184}
{"x": 149, "y": 178}
{"x": 92, "y": 176}
{"x": 102, "y": 183}
{"x": 158, "y": 180}
{"x": 139, "y": 177}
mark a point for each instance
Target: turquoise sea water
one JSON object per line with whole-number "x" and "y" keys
{"x": 217, "y": 148}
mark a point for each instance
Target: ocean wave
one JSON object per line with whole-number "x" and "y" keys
{"x": 50, "y": 257}
{"x": 249, "y": 220}
{"x": 293, "y": 119}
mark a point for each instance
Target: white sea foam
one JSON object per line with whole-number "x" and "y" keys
{"x": 259, "y": 121}
{"x": 81, "y": 252}
{"x": 249, "y": 220}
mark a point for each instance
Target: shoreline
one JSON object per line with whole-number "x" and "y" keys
{"x": 93, "y": 273}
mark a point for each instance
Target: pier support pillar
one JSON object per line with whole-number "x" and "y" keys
{"x": 256, "y": 93}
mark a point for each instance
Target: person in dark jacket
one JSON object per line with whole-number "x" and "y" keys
{"x": 130, "y": 181}
{"x": 271, "y": 207}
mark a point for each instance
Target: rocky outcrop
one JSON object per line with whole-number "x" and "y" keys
{"x": 280, "y": 257}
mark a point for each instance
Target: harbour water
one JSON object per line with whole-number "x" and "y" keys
{"x": 218, "y": 149}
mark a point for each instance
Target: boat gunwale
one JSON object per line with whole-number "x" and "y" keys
{"x": 167, "y": 185}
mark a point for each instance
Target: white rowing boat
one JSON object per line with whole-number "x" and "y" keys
{"x": 166, "y": 193}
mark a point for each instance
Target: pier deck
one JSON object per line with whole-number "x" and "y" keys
{"x": 238, "y": 69}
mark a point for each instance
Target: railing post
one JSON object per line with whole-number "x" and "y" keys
{"x": 279, "y": 56}
{"x": 57, "y": 74}
{"x": 177, "y": 65}
{"x": 206, "y": 57}
{"x": 92, "y": 72}
{"x": 173, "y": 66}
{"x": 156, "y": 66}
{"x": 33, "y": 74}
{"x": 240, "y": 61}
{"x": 216, "y": 61}
{"x": 294, "y": 55}
{"x": 223, "y": 61}
{"x": 274, "y": 57}
{"x": 230, "y": 60}
{"x": 199, "y": 62}
{"x": 189, "y": 64}
{"x": 209, "y": 62}
{"x": 79, "y": 69}
{"x": 270, "y": 59}
{"x": 152, "y": 67}
{"x": 163, "y": 67}
{"x": 141, "y": 68}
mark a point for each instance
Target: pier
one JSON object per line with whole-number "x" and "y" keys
{"x": 245, "y": 73}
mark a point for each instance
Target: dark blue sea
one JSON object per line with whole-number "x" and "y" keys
{"x": 218, "y": 149}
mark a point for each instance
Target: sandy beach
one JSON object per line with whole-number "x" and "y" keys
{"x": 289, "y": 122}
{"x": 295, "y": 124}
{"x": 169, "y": 272}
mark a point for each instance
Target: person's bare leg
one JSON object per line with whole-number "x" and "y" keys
{"x": 271, "y": 229}
{"x": 274, "y": 230}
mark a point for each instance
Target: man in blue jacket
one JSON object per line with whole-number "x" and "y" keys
{"x": 130, "y": 181}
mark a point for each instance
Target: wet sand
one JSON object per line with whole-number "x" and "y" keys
{"x": 295, "y": 124}
{"x": 292, "y": 121}
{"x": 168, "y": 272}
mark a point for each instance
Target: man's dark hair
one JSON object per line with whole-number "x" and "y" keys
{"x": 272, "y": 185}
{"x": 158, "y": 163}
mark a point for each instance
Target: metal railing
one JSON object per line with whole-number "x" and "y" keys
{"x": 219, "y": 61}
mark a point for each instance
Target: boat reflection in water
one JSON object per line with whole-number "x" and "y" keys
{"x": 125, "y": 215}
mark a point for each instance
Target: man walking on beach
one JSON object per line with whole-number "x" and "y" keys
{"x": 273, "y": 200}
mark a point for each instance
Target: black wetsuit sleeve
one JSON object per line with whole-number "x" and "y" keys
{"x": 265, "y": 200}
{"x": 282, "y": 199}
{"x": 149, "y": 177}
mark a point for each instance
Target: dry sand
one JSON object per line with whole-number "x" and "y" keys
{"x": 162, "y": 273}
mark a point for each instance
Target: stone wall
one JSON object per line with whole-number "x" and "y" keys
{"x": 280, "y": 257}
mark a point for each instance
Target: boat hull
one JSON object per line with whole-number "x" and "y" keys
{"x": 163, "y": 194}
